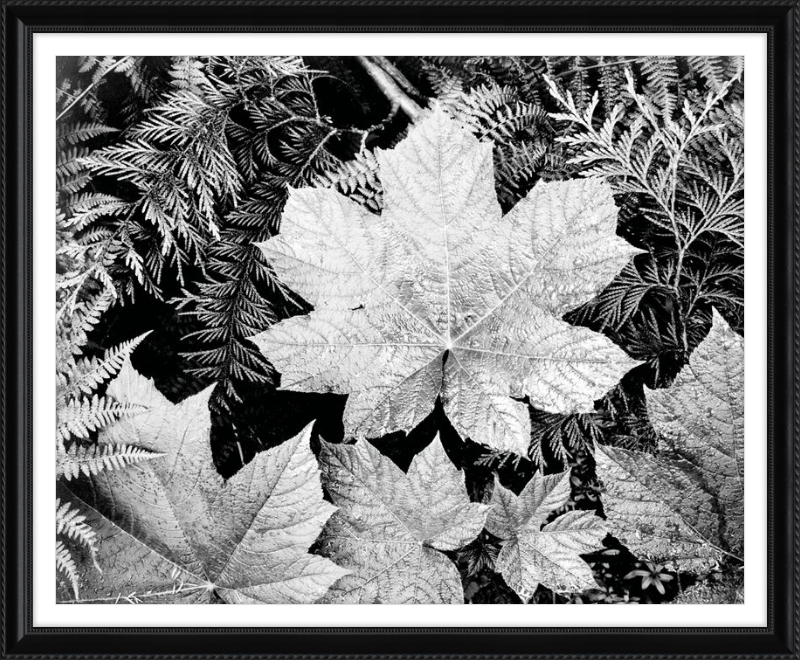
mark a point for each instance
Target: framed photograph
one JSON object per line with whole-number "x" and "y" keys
{"x": 407, "y": 329}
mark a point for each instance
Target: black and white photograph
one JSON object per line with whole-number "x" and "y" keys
{"x": 399, "y": 330}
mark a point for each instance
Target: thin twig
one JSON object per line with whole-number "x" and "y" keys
{"x": 597, "y": 66}
{"x": 397, "y": 97}
{"x": 90, "y": 87}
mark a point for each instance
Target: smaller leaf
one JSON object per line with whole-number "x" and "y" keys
{"x": 549, "y": 555}
{"x": 391, "y": 526}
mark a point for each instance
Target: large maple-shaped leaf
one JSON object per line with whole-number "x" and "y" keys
{"x": 685, "y": 506}
{"x": 536, "y": 553}
{"x": 442, "y": 296}
{"x": 658, "y": 508}
{"x": 701, "y": 418}
{"x": 391, "y": 525}
{"x": 173, "y": 530}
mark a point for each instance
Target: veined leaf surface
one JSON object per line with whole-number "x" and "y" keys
{"x": 701, "y": 418}
{"x": 173, "y": 531}
{"x": 658, "y": 508}
{"x": 441, "y": 295}
{"x": 536, "y": 553}
{"x": 391, "y": 525}
{"x": 686, "y": 506}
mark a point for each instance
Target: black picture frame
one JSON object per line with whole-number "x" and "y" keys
{"x": 779, "y": 19}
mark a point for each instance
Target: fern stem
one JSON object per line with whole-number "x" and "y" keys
{"x": 570, "y": 72}
{"x": 310, "y": 160}
{"x": 134, "y": 597}
{"x": 681, "y": 150}
{"x": 92, "y": 86}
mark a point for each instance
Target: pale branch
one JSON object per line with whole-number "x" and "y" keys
{"x": 390, "y": 88}
{"x": 398, "y": 76}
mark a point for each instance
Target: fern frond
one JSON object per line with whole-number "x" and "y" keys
{"x": 577, "y": 81}
{"x": 230, "y": 307}
{"x": 72, "y": 329}
{"x": 649, "y": 335}
{"x": 88, "y": 374}
{"x": 519, "y": 130}
{"x": 560, "y": 435}
{"x": 72, "y": 523}
{"x": 716, "y": 71}
{"x": 92, "y": 459}
{"x": 663, "y": 83}
{"x": 522, "y": 73}
{"x": 612, "y": 82}
{"x": 90, "y": 207}
{"x": 256, "y": 71}
{"x": 148, "y": 82}
{"x": 188, "y": 73}
{"x": 71, "y": 172}
{"x": 622, "y": 298}
{"x": 180, "y": 162}
{"x": 517, "y": 166}
{"x": 653, "y": 156}
{"x": 447, "y": 87}
{"x": 82, "y": 416}
{"x": 85, "y": 265}
{"x": 65, "y": 565}
{"x": 496, "y": 112}
{"x": 80, "y": 132}
{"x": 284, "y": 142}
{"x": 716, "y": 278}
{"x": 358, "y": 180}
